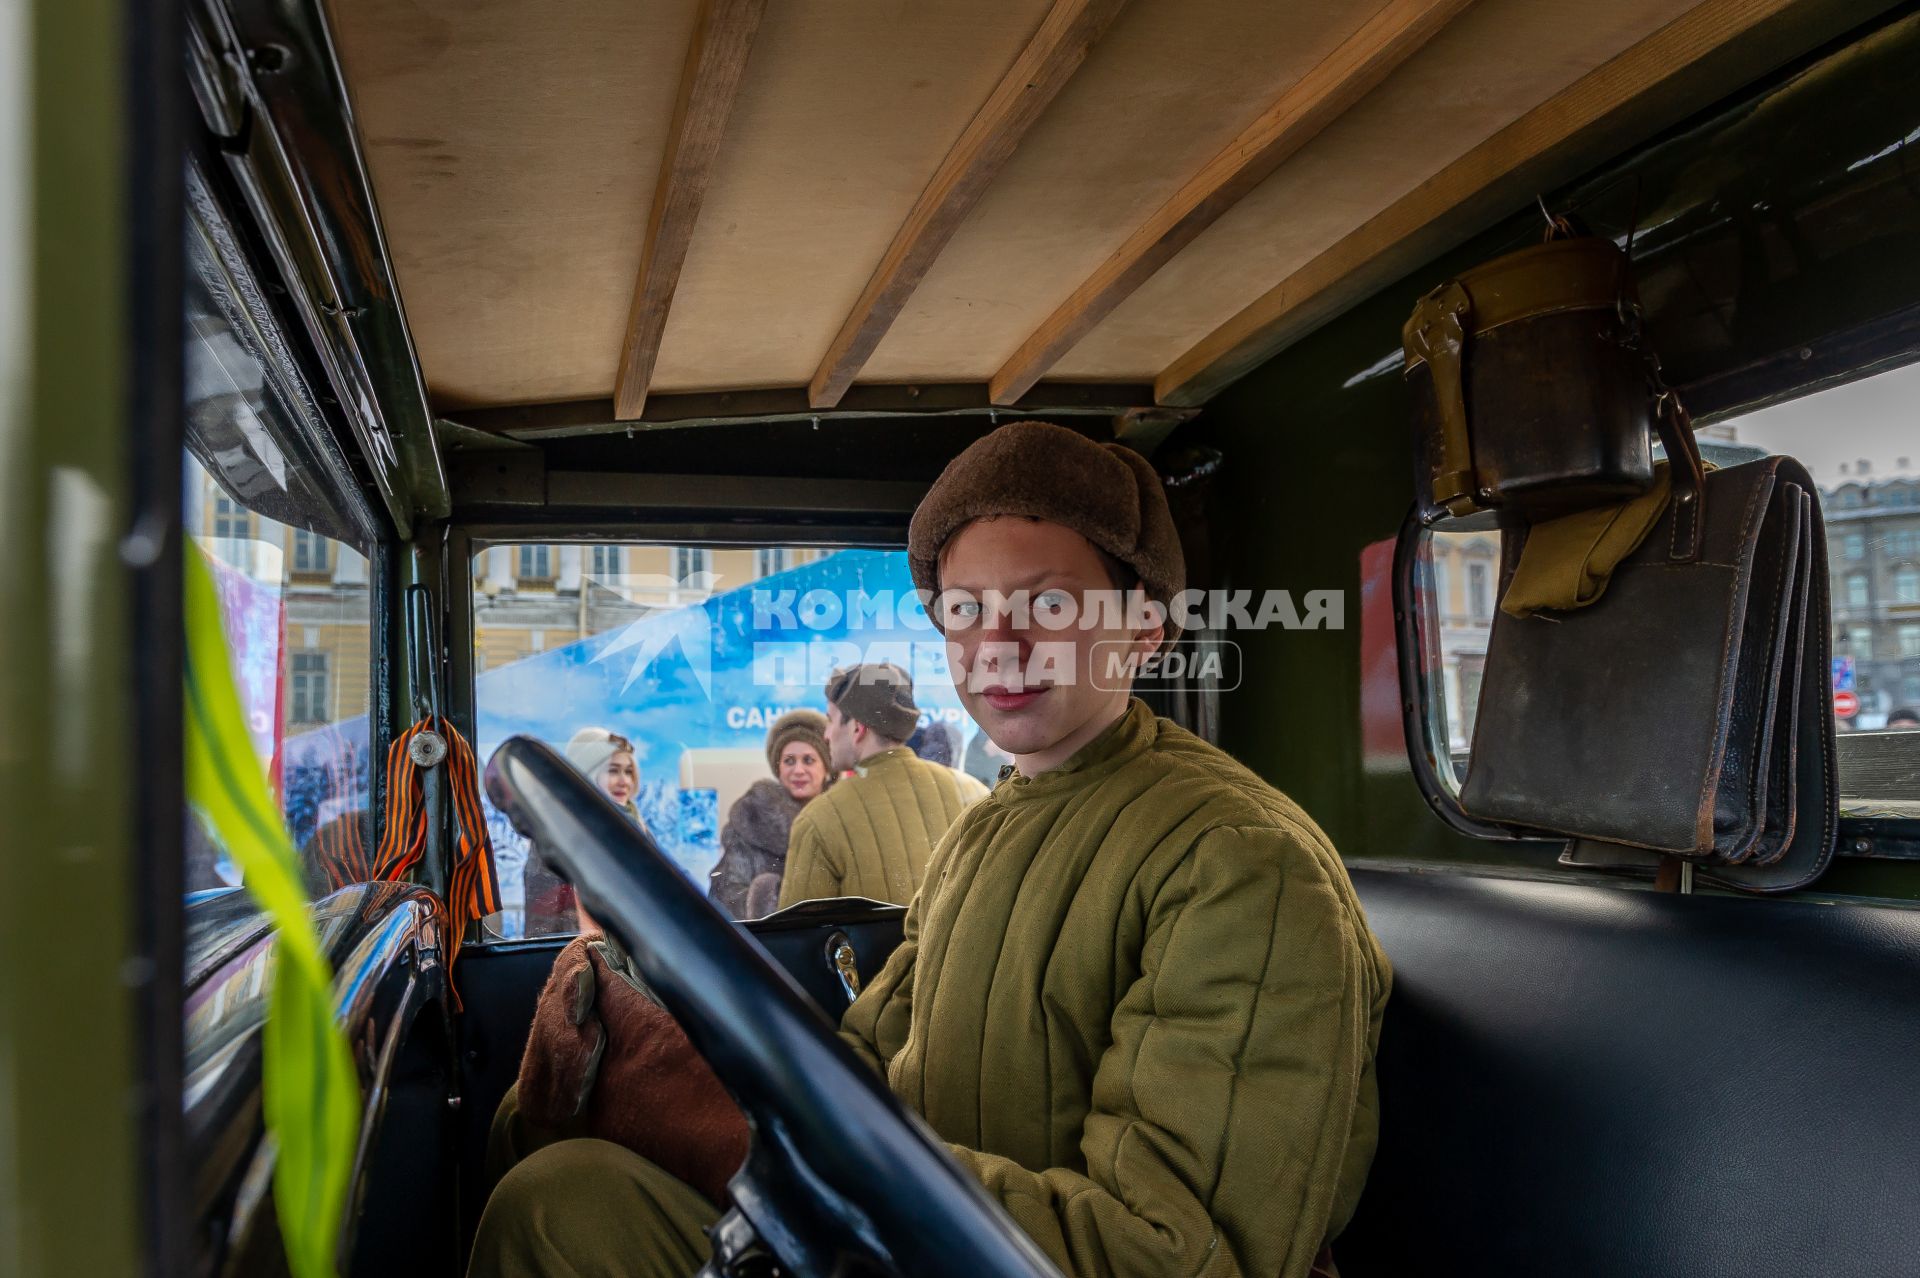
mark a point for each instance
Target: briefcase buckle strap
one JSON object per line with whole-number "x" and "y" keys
{"x": 1686, "y": 474}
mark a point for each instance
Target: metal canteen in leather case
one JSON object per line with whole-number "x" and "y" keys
{"x": 1532, "y": 390}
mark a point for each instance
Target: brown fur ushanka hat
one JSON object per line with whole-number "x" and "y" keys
{"x": 1107, "y": 493}
{"x": 808, "y": 727}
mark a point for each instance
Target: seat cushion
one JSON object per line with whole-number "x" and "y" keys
{"x": 1587, "y": 1080}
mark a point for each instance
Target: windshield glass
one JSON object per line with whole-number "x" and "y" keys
{"x": 686, "y": 656}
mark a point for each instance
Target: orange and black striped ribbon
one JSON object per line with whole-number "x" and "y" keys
{"x": 473, "y": 887}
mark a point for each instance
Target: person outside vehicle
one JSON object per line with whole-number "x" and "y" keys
{"x": 872, "y": 834}
{"x": 609, "y": 761}
{"x": 753, "y": 857}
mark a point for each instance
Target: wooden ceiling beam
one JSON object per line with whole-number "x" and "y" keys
{"x": 709, "y": 82}
{"x": 1065, "y": 38}
{"x": 1316, "y": 100}
{"x": 1699, "y": 57}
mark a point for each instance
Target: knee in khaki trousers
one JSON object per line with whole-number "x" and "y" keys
{"x": 583, "y": 1208}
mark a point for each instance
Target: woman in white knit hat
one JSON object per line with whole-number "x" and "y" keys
{"x": 607, "y": 759}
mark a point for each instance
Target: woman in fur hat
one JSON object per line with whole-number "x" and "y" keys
{"x": 746, "y": 883}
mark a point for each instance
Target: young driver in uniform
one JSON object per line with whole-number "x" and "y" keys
{"x": 1137, "y": 996}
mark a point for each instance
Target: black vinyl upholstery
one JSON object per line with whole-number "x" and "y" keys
{"x": 797, "y": 938}
{"x": 1601, "y": 1081}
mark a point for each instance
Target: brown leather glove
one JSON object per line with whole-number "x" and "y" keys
{"x": 601, "y": 1047}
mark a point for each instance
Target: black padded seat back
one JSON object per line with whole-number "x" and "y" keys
{"x": 1611, "y": 1082}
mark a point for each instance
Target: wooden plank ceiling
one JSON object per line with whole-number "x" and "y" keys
{"x": 590, "y": 199}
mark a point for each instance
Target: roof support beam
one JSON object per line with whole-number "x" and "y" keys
{"x": 716, "y": 60}
{"x": 1706, "y": 53}
{"x": 1316, "y": 100}
{"x": 1065, "y": 38}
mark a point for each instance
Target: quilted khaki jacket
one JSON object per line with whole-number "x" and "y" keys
{"x": 871, "y": 833}
{"x": 1138, "y": 997}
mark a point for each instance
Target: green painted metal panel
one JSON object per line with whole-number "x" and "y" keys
{"x": 69, "y": 1151}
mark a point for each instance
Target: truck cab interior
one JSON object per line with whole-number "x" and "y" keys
{"x": 515, "y": 331}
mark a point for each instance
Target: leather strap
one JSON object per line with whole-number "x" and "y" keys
{"x": 1437, "y": 333}
{"x": 1686, "y": 475}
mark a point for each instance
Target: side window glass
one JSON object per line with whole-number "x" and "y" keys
{"x": 1860, "y": 445}
{"x": 300, "y": 642}
{"x": 289, "y": 561}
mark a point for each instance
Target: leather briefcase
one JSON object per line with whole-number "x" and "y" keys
{"x": 1683, "y": 713}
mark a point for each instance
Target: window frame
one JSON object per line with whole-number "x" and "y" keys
{"x": 534, "y": 553}
{"x": 311, "y": 543}
{"x": 690, "y": 561}
{"x": 1425, "y": 732}
{"x": 301, "y": 683}
{"x": 1479, "y": 588}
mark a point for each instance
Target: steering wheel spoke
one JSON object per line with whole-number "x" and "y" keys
{"x": 738, "y": 1251}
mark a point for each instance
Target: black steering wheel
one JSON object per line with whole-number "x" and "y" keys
{"x": 841, "y": 1178}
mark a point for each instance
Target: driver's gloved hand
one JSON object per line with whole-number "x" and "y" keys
{"x": 604, "y": 1056}
{"x": 564, "y": 1047}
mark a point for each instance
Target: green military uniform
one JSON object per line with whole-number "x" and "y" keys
{"x": 872, "y": 833}
{"x": 1138, "y": 998}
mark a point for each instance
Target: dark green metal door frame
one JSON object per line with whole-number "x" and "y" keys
{"x": 90, "y": 802}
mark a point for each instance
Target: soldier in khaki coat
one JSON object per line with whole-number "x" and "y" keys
{"x": 1199, "y": 1098}
{"x": 871, "y": 834}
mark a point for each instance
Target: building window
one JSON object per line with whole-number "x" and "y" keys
{"x": 1910, "y": 690}
{"x": 1479, "y": 593}
{"x": 1902, "y": 543}
{"x": 536, "y": 563}
{"x": 1860, "y": 643}
{"x": 690, "y": 562}
{"x": 1857, "y": 590}
{"x": 1909, "y": 641}
{"x": 1856, "y": 545}
{"x": 1906, "y": 585}
{"x": 230, "y": 518}
{"x": 311, "y": 553}
{"x": 307, "y": 687}
{"x": 606, "y": 561}
{"x": 1471, "y": 672}
{"x": 768, "y": 560}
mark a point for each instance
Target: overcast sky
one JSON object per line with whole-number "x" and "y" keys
{"x": 1877, "y": 419}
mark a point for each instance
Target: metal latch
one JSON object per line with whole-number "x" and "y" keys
{"x": 845, "y": 964}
